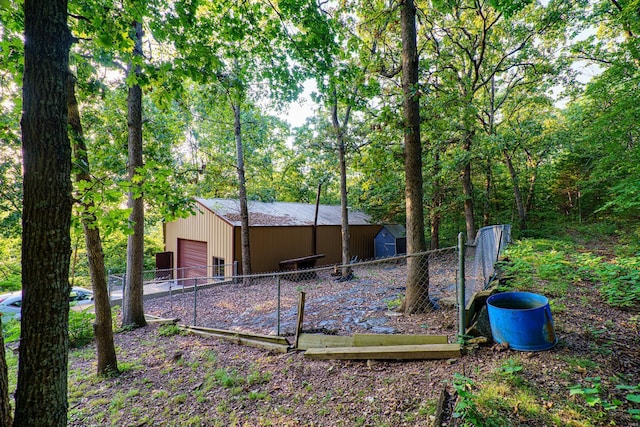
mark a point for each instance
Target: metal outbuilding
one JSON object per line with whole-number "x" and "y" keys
{"x": 391, "y": 240}
{"x": 277, "y": 231}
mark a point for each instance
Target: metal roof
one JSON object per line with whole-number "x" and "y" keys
{"x": 282, "y": 213}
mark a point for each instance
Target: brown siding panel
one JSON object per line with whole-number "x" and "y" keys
{"x": 269, "y": 245}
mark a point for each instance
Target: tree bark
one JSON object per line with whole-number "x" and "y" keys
{"x": 438, "y": 197}
{"x": 133, "y": 303}
{"x": 467, "y": 191}
{"x": 5, "y": 404}
{"x": 486, "y": 203}
{"x": 41, "y": 394}
{"x": 242, "y": 194}
{"x": 105, "y": 348}
{"x": 522, "y": 213}
{"x": 344, "y": 199}
{"x": 417, "y": 293}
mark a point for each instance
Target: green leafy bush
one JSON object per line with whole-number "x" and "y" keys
{"x": 168, "y": 330}
{"x": 80, "y": 328}
{"x": 620, "y": 281}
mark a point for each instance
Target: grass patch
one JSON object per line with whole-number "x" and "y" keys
{"x": 168, "y": 330}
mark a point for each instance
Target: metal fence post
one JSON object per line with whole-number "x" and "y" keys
{"x": 461, "y": 285}
{"x": 235, "y": 271}
{"x": 195, "y": 300}
{"x": 278, "y": 305}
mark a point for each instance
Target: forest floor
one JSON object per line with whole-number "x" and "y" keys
{"x": 176, "y": 379}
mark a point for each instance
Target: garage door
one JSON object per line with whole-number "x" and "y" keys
{"x": 192, "y": 260}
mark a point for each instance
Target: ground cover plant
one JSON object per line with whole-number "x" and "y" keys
{"x": 591, "y": 378}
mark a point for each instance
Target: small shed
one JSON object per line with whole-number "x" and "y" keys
{"x": 391, "y": 240}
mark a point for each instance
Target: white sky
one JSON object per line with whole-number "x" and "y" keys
{"x": 303, "y": 108}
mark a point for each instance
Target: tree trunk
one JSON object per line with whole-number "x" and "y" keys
{"x": 438, "y": 197}
{"x": 344, "y": 199}
{"x": 5, "y": 404}
{"x": 417, "y": 294}
{"x": 467, "y": 191}
{"x": 41, "y": 394}
{"x": 522, "y": 213}
{"x": 346, "y": 248}
{"x": 133, "y": 304}
{"x": 242, "y": 193}
{"x": 532, "y": 182}
{"x": 107, "y": 362}
{"x": 486, "y": 204}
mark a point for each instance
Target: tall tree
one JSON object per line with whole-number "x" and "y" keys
{"x": 479, "y": 57}
{"x": 242, "y": 194}
{"x": 417, "y": 293}
{"x": 5, "y": 404}
{"x": 105, "y": 349}
{"x": 133, "y": 302}
{"x": 245, "y": 46}
{"x": 41, "y": 394}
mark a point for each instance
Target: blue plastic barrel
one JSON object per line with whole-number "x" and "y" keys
{"x": 522, "y": 320}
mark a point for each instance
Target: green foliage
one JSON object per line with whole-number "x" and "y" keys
{"x": 510, "y": 367}
{"x": 11, "y": 330}
{"x": 80, "y": 328}
{"x": 169, "y": 330}
{"x": 555, "y": 264}
{"x": 594, "y": 393}
{"x": 230, "y": 378}
{"x": 10, "y": 266}
{"x": 620, "y": 281}
{"x": 533, "y": 260}
{"x": 466, "y": 409}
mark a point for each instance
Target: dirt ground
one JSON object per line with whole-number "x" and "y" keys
{"x": 185, "y": 380}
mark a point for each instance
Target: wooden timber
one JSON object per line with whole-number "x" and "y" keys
{"x": 265, "y": 345}
{"x": 160, "y": 320}
{"x": 266, "y": 342}
{"x": 388, "y": 352}
{"x": 306, "y": 341}
{"x": 369, "y": 340}
{"x": 477, "y": 301}
{"x": 300, "y": 318}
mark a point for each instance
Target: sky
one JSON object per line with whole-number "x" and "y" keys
{"x": 302, "y": 109}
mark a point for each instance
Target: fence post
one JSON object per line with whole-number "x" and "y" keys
{"x": 195, "y": 300}
{"x": 278, "y": 304}
{"x": 461, "y": 286}
{"x": 235, "y": 272}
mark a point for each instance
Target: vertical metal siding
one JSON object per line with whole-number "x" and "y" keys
{"x": 203, "y": 226}
{"x": 330, "y": 244}
{"x": 269, "y": 245}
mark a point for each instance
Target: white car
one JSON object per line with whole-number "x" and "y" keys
{"x": 80, "y": 299}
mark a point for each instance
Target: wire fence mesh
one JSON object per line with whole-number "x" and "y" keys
{"x": 367, "y": 303}
{"x": 415, "y": 293}
{"x": 482, "y": 255}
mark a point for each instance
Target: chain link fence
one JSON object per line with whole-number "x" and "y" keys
{"x": 410, "y": 294}
{"x": 167, "y": 281}
{"x": 368, "y": 301}
{"x": 482, "y": 255}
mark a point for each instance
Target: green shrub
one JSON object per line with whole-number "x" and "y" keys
{"x": 620, "y": 281}
{"x": 168, "y": 330}
{"x": 10, "y": 330}
{"x": 80, "y": 328}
